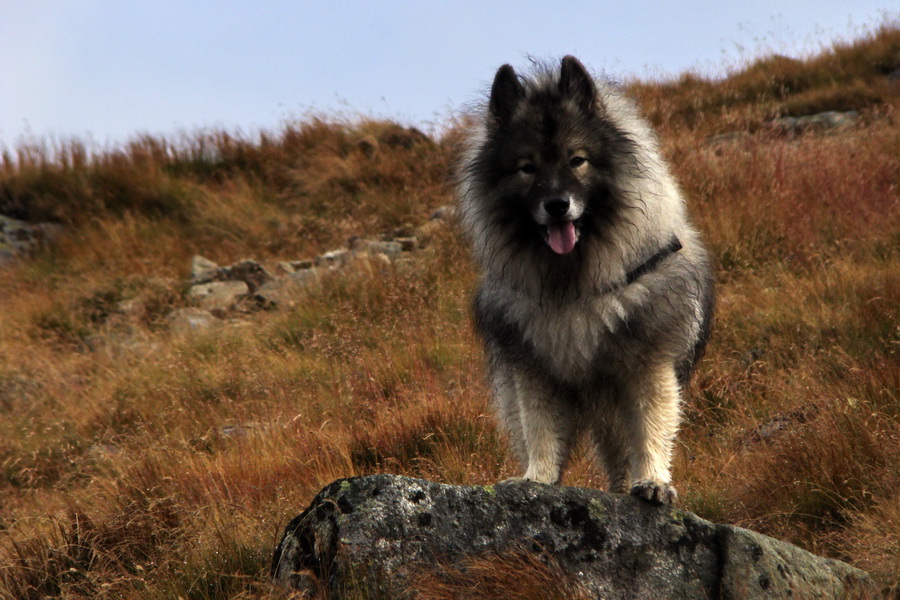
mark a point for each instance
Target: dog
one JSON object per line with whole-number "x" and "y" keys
{"x": 596, "y": 293}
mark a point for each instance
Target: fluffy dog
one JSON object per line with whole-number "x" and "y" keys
{"x": 596, "y": 293}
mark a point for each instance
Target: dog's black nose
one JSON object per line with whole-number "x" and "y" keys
{"x": 556, "y": 207}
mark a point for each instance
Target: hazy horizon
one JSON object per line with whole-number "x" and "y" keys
{"x": 106, "y": 72}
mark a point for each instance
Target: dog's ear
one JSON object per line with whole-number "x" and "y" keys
{"x": 576, "y": 83}
{"x": 506, "y": 93}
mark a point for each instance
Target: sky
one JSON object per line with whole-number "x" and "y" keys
{"x": 106, "y": 71}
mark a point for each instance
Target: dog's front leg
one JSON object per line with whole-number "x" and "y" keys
{"x": 548, "y": 425}
{"x": 654, "y": 407}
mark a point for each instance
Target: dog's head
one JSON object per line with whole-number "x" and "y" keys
{"x": 549, "y": 155}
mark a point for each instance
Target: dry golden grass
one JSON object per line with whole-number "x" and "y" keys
{"x": 513, "y": 576}
{"x": 135, "y": 463}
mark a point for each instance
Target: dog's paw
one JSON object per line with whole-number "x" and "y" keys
{"x": 513, "y": 480}
{"x": 655, "y": 492}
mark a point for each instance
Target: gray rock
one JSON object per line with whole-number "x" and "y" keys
{"x": 191, "y": 320}
{"x": 333, "y": 258}
{"x": 301, "y": 265}
{"x": 285, "y": 267}
{"x": 19, "y": 238}
{"x": 405, "y": 230}
{"x": 819, "y": 122}
{"x": 408, "y": 244}
{"x": 219, "y": 295}
{"x": 442, "y": 213}
{"x": 377, "y": 532}
{"x": 283, "y": 292}
{"x": 249, "y": 271}
{"x": 203, "y": 270}
{"x": 389, "y": 249}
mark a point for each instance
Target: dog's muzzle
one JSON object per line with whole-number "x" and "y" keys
{"x": 559, "y": 216}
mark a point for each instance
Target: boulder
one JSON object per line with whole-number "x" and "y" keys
{"x": 375, "y": 536}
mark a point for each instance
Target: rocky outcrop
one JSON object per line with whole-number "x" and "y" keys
{"x": 820, "y": 123}
{"x": 379, "y": 533}
{"x": 222, "y": 292}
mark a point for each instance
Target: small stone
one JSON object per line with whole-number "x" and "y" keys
{"x": 249, "y": 271}
{"x": 408, "y": 244}
{"x": 405, "y": 230}
{"x": 389, "y": 249}
{"x": 442, "y": 213}
{"x": 825, "y": 121}
{"x": 285, "y": 268}
{"x": 333, "y": 258}
{"x": 19, "y": 238}
{"x": 131, "y": 307}
{"x": 221, "y": 295}
{"x": 283, "y": 292}
{"x": 203, "y": 270}
{"x": 187, "y": 320}
{"x": 426, "y": 232}
{"x": 301, "y": 265}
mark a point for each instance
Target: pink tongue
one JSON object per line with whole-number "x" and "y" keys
{"x": 562, "y": 237}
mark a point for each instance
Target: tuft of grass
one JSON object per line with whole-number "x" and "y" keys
{"x": 515, "y": 575}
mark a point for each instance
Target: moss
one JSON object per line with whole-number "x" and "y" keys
{"x": 677, "y": 515}
{"x": 597, "y": 511}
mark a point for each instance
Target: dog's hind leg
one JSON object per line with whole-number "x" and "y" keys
{"x": 506, "y": 404}
{"x": 613, "y": 448}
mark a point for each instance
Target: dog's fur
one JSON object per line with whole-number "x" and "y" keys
{"x": 596, "y": 293}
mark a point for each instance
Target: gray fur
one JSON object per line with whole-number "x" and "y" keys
{"x": 600, "y": 336}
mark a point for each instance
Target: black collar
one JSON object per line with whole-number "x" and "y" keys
{"x": 651, "y": 263}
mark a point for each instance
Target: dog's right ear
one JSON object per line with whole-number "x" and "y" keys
{"x": 506, "y": 93}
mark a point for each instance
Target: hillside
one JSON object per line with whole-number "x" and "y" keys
{"x": 138, "y": 460}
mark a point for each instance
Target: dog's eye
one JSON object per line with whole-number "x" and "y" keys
{"x": 577, "y": 161}
{"x": 528, "y": 168}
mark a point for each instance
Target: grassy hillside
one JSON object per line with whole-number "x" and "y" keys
{"x": 140, "y": 463}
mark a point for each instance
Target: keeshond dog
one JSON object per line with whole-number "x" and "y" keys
{"x": 596, "y": 293}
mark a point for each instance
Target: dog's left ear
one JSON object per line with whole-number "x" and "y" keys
{"x": 576, "y": 83}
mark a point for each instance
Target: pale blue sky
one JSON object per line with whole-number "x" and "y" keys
{"x": 107, "y": 70}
